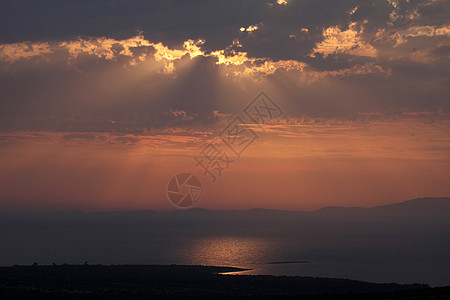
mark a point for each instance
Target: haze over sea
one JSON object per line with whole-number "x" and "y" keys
{"x": 404, "y": 243}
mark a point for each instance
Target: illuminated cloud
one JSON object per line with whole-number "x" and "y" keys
{"x": 253, "y": 68}
{"x": 17, "y": 51}
{"x": 368, "y": 68}
{"x": 353, "y": 10}
{"x": 292, "y": 47}
{"x": 278, "y": 2}
{"x": 191, "y": 47}
{"x": 394, "y": 14}
{"x": 101, "y": 47}
{"x": 421, "y": 44}
{"x": 168, "y": 68}
{"x": 106, "y": 48}
{"x": 348, "y": 41}
{"x": 181, "y": 114}
{"x": 402, "y": 36}
{"x": 250, "y": 28}
{"x": 231, "y": 58}
{"x": 238, "y": 63}
{"x": 258, "y": 69}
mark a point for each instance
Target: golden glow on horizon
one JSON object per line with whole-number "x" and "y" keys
{"x": 354, "y": 164}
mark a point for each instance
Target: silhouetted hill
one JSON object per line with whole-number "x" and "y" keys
{"x": 418, "y": 204}
{"x": 150, "y": 281}
{"x": 429, "y": 206}
{"x": 426, "y": 209}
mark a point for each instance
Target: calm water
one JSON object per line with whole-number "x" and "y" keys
{"x": 403, "y": 254}
{"x": 266, "y": 256}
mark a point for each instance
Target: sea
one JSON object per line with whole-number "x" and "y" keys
{"x": 396, "y": 253}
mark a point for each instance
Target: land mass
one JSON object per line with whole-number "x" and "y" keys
{"x": 175, "y": 281}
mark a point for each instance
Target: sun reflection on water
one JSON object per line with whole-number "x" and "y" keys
{"x": 229, "y": 251}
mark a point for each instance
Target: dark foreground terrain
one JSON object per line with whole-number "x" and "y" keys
{"x": 153, "y": 281}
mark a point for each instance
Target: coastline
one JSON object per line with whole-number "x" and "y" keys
{"x": 174, "y": 281}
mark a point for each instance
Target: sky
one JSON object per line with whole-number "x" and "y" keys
{"x": 103, "y": 102}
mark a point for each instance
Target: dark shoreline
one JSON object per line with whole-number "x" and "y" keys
{"x": 288, "y": 262}
{"x": 175, "y": 281}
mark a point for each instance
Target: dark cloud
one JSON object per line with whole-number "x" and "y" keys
{"x": 82, "y": 136}
{"x": 391, "y": 57}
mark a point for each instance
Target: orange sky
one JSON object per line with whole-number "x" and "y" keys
{"x": 102, "y": 104}
{"x": 301, "y": 167}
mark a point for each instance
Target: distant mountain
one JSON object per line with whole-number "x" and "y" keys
{"x": 418, "y": 206}
{"x": 341, "y": 209}
{"x": 427, "y": 207}
{"x": 438, "y": 207}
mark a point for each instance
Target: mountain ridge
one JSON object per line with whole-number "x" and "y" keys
{"x": 422, "y": 204}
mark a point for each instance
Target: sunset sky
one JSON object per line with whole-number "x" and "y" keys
{"x": 102, "y": 102}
